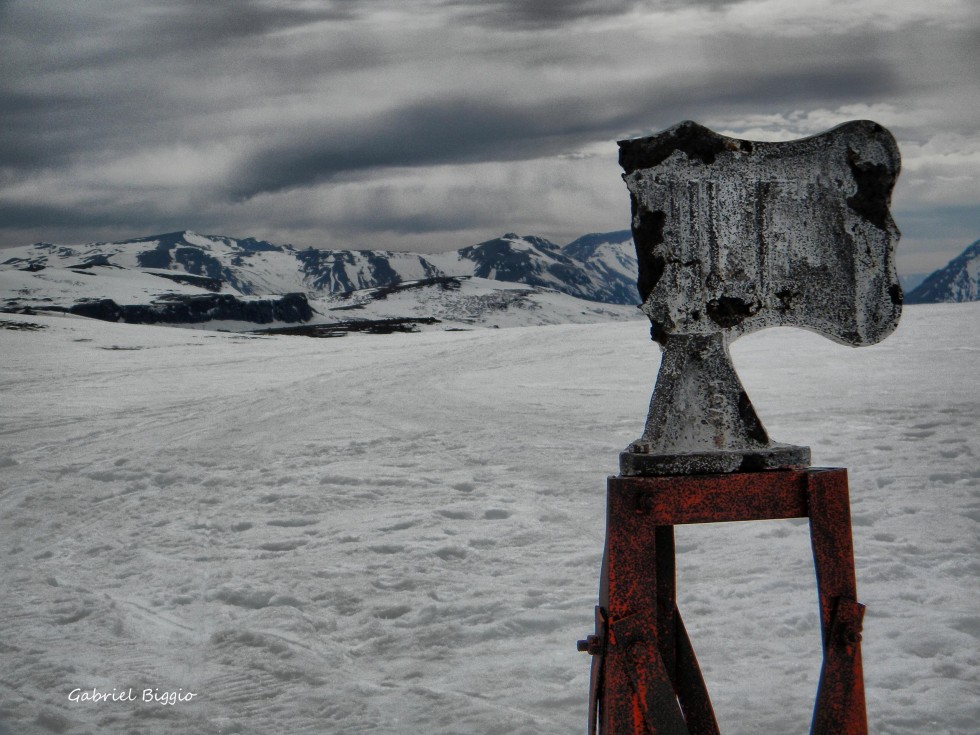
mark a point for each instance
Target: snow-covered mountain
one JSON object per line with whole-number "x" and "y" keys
{"x": 598, "y": 267}
{"x": 958, "y": 280}
{"x": 611, "y": 256}
{"x": 188, "y": 278}
{"x": 244, "y": 266}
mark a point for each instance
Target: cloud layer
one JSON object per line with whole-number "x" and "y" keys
{"x": 432, "y": 125}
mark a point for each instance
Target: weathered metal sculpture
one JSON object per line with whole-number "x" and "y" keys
{"x": 733, "y": 236}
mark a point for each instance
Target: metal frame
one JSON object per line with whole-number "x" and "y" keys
{"x": 645, "y": 676}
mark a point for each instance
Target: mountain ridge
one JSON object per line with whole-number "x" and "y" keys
{"x": 957, "y": 281}
{"x": 185, "y": 278}
{"x": 251, "y": 266}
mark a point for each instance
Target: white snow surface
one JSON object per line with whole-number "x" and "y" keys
{"x": 469, "y": 302}
{"x": 402, "y": 534}
{"x": 66, "y": 287}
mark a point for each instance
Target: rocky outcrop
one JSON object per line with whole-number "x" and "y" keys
{"x": 177, "y": 309}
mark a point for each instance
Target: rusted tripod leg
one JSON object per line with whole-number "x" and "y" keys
{"x": 676, "y": 650}
{"x": 840, "y": 706}
{"x": 651, "y": 682}
{"x": 691, "y": 690}
{"x": 638, "y": 695}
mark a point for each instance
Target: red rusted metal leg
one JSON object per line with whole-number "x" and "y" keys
{"x": 653, "y": 701}
{"x": 691, "y": 691}
{"x": 840, "y": 705}
{"x": 648, "y": 668}
{"x": 666, "y": 598}
{"x": 631, "y": 584}
{"x": 839, "y": 709}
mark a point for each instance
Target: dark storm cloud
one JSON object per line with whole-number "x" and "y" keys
{"x": 962, "y": 221}
{"x": 120, "y": 94}
{"x": 25, "y": 141}
{"x": 543, "y": 14}
{"x": 16, "y": 216}
{"x": 40, "y": 130}
{"x": 85, "y": 80}
{"x": 190, "y": 25}
{"x": 466, "y": 130}
{"x": 98, "y": 34}
{"x": 176, "y": 113}
{"x": 752, "y": 89}
{"x": 421, "y": 133}
{"x": 227, "y": 20}
{"x": 967, "y": 44}
{"x": 177, "y": 24}
{"x": 539, "y": 13}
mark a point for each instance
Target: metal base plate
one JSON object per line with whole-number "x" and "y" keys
{"x": 635, "y": 462}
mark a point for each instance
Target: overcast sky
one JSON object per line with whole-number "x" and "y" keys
{"x": 433, "y": 124}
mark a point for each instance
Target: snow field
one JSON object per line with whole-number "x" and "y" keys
{"x": 402, "y": 534}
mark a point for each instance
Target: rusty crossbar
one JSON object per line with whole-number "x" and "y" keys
{"x": 645, "y": 676}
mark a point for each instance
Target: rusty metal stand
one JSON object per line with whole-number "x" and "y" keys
{"x": 645, "y": 676}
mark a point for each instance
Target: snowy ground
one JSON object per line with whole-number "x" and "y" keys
{"x": 402, "y": 534}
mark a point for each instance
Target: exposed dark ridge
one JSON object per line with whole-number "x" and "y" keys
{"x": 368, "y": 326}
{"x": 205, "y": 282}
{"x": 252, "y": 245}
{"x": 179, "y": 309}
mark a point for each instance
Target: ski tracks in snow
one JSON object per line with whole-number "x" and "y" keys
{"x": 401, "y": 534}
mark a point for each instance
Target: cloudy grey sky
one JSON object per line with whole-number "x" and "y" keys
{"x": 431, "y": 124}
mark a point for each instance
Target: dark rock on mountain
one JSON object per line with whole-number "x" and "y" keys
{"x": 209, "y": 284}
{"x": 341, "y": 329}
{"x": 339, "y": 271}
{"x": 96, "y": 260}
{"x": 500, "y": 259}
{"x": 173, "y": 251}
{"x": 179, "y": 309}
{"x": 611, "y": 259}
{"x": 600, "y": 269}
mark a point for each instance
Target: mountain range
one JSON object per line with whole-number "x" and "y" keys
{"x": 188, "y": 278}
{"x": 224, "y": 282}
